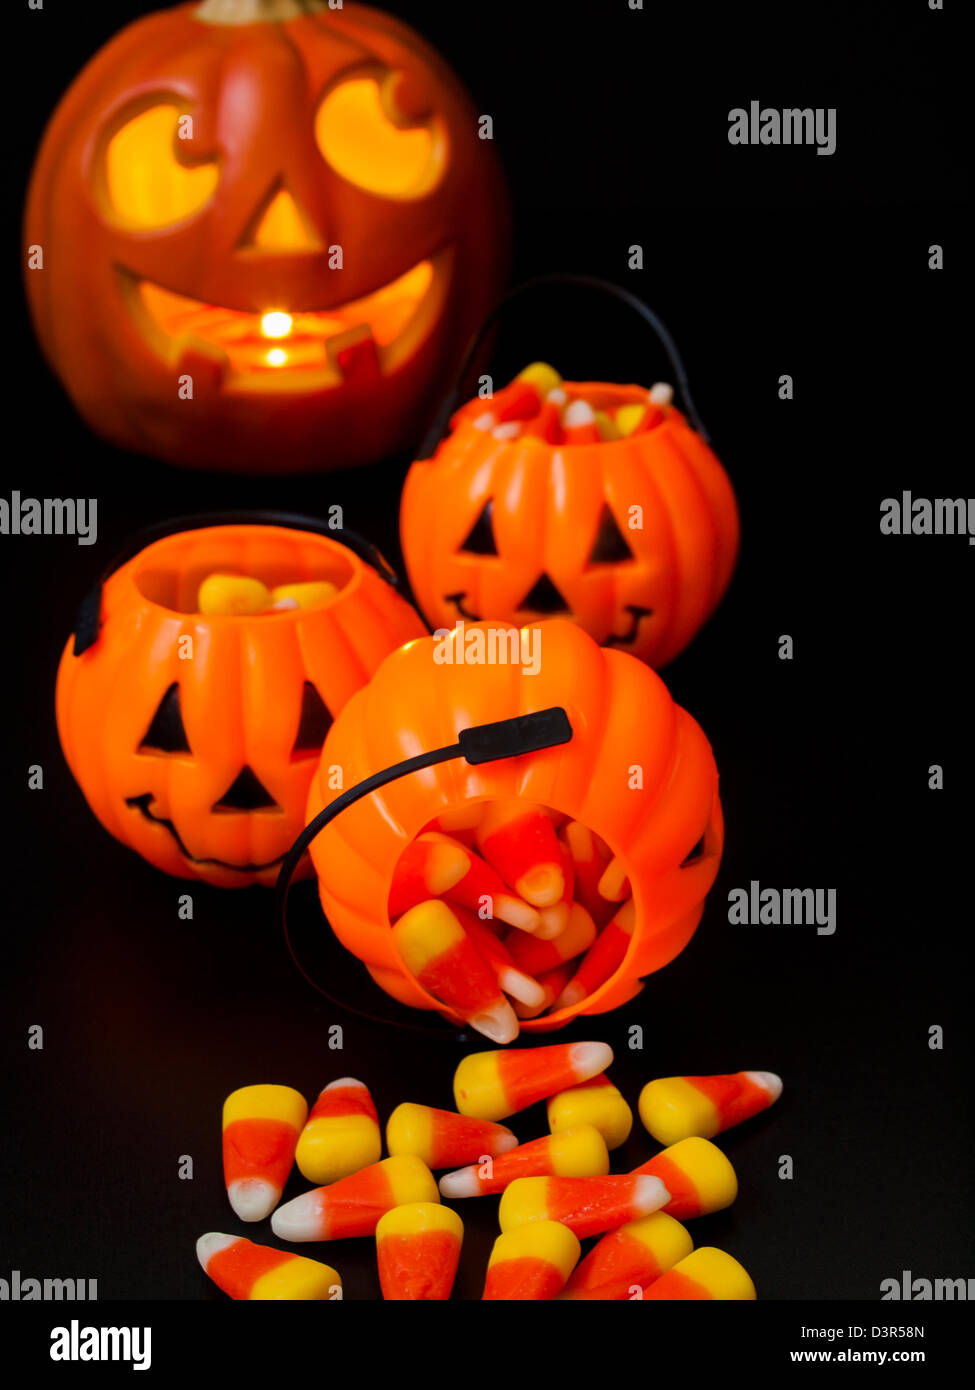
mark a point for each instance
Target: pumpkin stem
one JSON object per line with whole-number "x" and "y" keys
{"x": 256, "y": 11}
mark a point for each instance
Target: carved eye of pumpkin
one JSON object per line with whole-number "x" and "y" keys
{"x": 313, "y": 725}
{"x": 696, "y": 854}
{"x": 480, "y": 539}
{"x": 610, "y": 546}
{"x": 166, "y": 733}
{"x": 366, "y": 140}
{"x": 144, "y": 183}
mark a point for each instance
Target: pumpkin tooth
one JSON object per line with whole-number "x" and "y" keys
{"x": 354, "y": 354}
{"x": 207, "y": 363}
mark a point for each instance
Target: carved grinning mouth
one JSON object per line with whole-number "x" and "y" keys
{"x": 613, "y": 640}
{"x": 143, "y": 804}
{"x": 284, "y": 347}
{"x": 624, "y": 639}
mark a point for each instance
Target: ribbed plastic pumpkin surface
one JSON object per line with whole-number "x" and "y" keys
{"x": 623, "y": 719}
{"x": 635, "y": 539}
{"x": 194, "y": 738}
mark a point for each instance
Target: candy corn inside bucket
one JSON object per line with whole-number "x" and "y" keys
{"x": 482, "y": 923}
{"x": 512, "y": 893}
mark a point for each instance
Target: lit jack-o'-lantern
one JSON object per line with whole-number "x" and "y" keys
{"x": 266, "y": 227}
{"x": 194, "y": 737}
{"x": 587, "y": 500}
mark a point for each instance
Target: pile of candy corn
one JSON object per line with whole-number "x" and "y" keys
{"x": 505, "y": 910}
{"x": 556, "y": 1192}
{"x": 240, "y": 595}
{"x": 538, "y": 404}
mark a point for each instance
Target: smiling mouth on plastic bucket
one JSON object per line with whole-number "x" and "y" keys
{"x": 504, "y": 911}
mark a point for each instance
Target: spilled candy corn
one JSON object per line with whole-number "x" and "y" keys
{"x": 706, "y": 1273}
{"x": 532, "y": 1263}
{"x": 597, "y": 1102}
{"x": 417, "y": 1250}
{"x": 444, "y": 1139}
{"x": 587, "y": 1206}
{"x": 341, "y": 1134}
{"x": 258, "y": 1274}
{"x": 572, "y": 1153}
{"x": 494, "y": 1085}
{"x": 353, "y": 1205}
{"x": 676, "y": 1107}
{"x": 698, "y": 1176}
{"x": 261, "y": 1125}
{"x": 623, "y": 1262}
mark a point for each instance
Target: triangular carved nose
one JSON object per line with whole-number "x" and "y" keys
{"x": 281, "y": 225}
{"x": 247, "y": 793}
{"x": 544, "y": 598}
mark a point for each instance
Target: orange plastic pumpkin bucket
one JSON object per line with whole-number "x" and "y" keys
{"x": 637, "y": 770}
{"x": 633, "y": 536}
{"x": 194, "y": 737}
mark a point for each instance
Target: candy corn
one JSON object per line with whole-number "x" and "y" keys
{"x": 698, "y": 1176}
{"x": 437, "y": 950}
{"x": 596, "y": 1102}
{"x": 603, "y": 958}
{"x": 553, "y": 920}
{"x": 579, "y": 423}
{"x": 614, "y": 883}
{"x": 706, "y": 1273}
{"x": 540, "y": 375}
{"x": 493, "y": 1085}
{"x": 232, "y": 595}
{"x": 588, "y": 865}
{"x": 628, "y": 417}
{"x": 481, "y": 887}
{"x": 442, "y": 1138}
{"x": 417, "y": 1249}
{"x": 458, "y": 821}
{"x": 261, "y": 1125}
{"x": 587, "y": 1206}
{"x": 304, "y": 594}
{"x": 552, "y": 982}
{"x": 341, "y": 1135}
{"x": 607, "y": 426}
{"x": 573, "y": 1153}
{"x": 519, "y": 841}
{"x": 427, "y": 868}
{"x": 257, "y": 1273}
{"x": 353, "y": 1205}
{"x": 495, "y": 954}
{"x": 626, "y": 1260}
{"x": 676, "y": 1107}
{"x": 531, "y": 1263}
{"x": 536, "y": 956}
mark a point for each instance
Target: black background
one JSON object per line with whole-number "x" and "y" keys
{"x": 612, "y": 125}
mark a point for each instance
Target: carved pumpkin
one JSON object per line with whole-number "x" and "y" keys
{"x": 622, "y": 719}
{"x": 194, "y": 739}
{"x": 633, "y": 538}
{"x": 267, "y": 226}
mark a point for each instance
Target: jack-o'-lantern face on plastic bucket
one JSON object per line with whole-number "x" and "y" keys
{"x": 265, "y": 226}
{"x": 194, "y": 737}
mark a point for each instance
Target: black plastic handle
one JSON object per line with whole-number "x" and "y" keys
{"x": 453, "y": 398}
{"x": 88, "y": 617}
